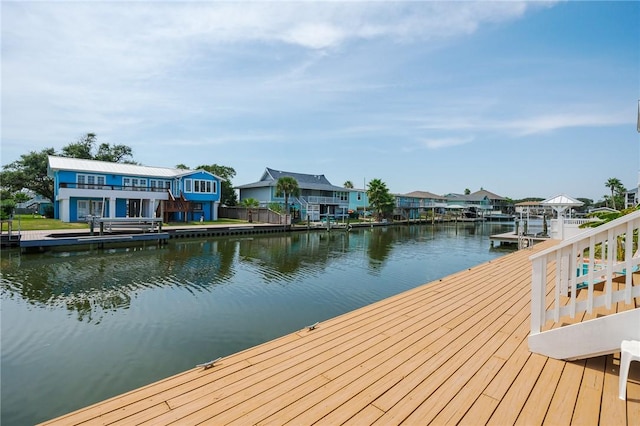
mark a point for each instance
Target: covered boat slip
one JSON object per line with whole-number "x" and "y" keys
{"x": 452, "y": 351}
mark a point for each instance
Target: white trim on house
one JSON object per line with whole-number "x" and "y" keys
{"x": 84, "y": 180}
{"x": 196, "y": 186}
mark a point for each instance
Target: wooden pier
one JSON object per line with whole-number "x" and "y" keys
{"x": 515, "y": 239}
{"x": 42, "y": 240}
{"x": 453, "y": 351}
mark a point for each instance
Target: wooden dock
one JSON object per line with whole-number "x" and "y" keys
{"x": 513, "y": 238}
{"x": 40, "y": 240}
{"x": 450, "y": 352}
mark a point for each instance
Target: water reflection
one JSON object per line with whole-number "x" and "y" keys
{"x": 92, "y": 283}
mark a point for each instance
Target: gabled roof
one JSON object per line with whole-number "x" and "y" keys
{"x": 561, "y": 200}
{"x": 93, "y": 166}
{"x": 481, "y": 194}
{"x": 474, "y": 196}
{"x": 305, "y": 181}
{"x": 425, "y": 195}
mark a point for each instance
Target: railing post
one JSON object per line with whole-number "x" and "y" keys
{"x": 538, "y": 290}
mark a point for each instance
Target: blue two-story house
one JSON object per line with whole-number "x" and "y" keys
{"x": 84, "y": 188}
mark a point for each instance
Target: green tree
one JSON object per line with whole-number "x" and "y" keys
{"x": 114, "y": 154}
{"x": 228, "y": 195}
{"x": 182, "y": 167}
{"x": 84, "y": 148}
{"x": 616, "y": 188}
{"x": 276, "y": 207}
{"x": 287, "y": 186}
{"x": 380, "y": 200}
{"x": 587, "y": 203}
{"x": 21, "y": 197}
{"x": 348, "y": 184}
{"x": 467, "y": 191}
{"x": 249, "y": 204}
{"x": 81, "y": 148}
{"x": 6, "y": 209}
{"x": 29, "y": 172}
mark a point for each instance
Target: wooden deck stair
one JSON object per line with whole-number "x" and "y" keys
{"x": 453, "y": 351}
{"x": 603, "y": 313}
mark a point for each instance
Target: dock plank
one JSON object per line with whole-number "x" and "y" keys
{"x": 612, "y": 408}
{"x": 587, "y": 411}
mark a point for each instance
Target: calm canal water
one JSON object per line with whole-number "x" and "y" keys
{"x": 80, "y": 327}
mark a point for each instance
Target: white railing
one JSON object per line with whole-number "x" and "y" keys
{"x": 314, "y": 199}
{"x": 595, "y": 257}
{"x": 433, "y": 204}
{"x": 566, "y": 228}
{"x": 576, "y": 221}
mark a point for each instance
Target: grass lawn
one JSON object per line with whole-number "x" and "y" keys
{"x": 27, "y": 222}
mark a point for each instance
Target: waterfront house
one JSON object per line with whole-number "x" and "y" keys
{"x": 406, "y": 207}
{"x": 413, "y": 204}
{"x": 318, "y": 197}
{"x": 37, "y": 204}
{"x": 358, "y": 201}
{"x": 483, "y": 202}
{"x": 89, "y": 188}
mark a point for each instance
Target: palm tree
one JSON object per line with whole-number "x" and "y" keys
{"x": 348, "y": 184}
{"x": 614, "y": 184}
{"x": 379, "y": 197}
{"x": 249, "y": 204}
{"x": 287, "y": 186}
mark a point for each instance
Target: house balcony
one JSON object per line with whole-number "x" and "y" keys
{"x": 334, "y": 201}
{"x": 82, "y": 190}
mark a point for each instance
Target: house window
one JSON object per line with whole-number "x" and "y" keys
{"x": 138, "y": 184}
{"x": 89, "y": 208}
{"x": 342, "y": 196}
{"x": 200, "y": 186}
{"x": 359, "y": 196}
{"x": 159, "y": 185}
{"x": 90, "y": 181}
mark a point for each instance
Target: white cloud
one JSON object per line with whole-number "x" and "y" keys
{"x": 471, "y": 121}
{"x": 446, "y": 142}
{"x": 314, "y": 35}
{"x": 551, "y": 122}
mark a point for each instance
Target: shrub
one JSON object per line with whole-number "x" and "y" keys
{"x": 7, "y": 208}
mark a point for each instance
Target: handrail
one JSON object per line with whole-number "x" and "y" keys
{"x": 74, "y": 185}
{"x": 316, "y": 199}
{"x": 594, "y": 257}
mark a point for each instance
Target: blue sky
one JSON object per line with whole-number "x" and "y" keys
{"x": 522, "y": 99}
